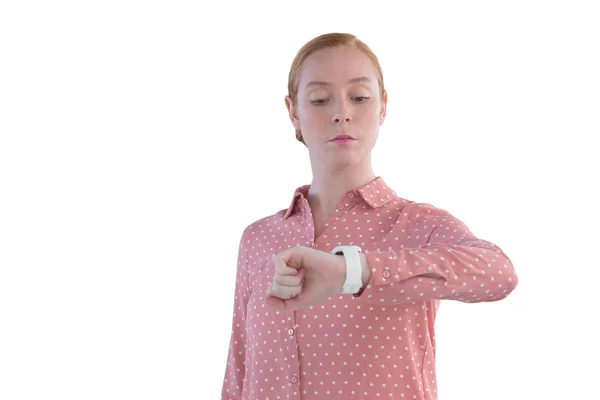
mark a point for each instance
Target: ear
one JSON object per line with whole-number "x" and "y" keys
{"x": 292, "y": 111}
{"x": 383, "y": 110}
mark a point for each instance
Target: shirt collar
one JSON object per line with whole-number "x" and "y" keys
{"x": 375, "y": 193}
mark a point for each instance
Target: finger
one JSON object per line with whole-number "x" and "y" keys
{"x": 294, "y": 256}
{"x": 281, "y": 304}
{"x": 290, "y": 280}
{"x": 287, "y": 271}
{"x": 282, "y": 268}
{"x": 284, "y": 292}
{"x": 275, "y": 302}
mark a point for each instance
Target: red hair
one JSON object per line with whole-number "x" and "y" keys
{"x": 325, "y": 41}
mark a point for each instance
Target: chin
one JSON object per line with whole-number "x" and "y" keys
{"x": 341, "y": 161}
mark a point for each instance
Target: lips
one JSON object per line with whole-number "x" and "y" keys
{"x": 343, "y": 137}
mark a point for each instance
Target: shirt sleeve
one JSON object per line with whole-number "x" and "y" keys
{"x": 453, "y": 264}
{"x": 234, "y": 379}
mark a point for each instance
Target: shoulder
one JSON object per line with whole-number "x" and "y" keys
{"x": 420, "y": 209}
{"x": 414, "y": 209}
{"x": 256, "y": 230}
{"x": 416, "y": 214}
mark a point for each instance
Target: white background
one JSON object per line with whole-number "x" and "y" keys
{"x": 139, "y": 139}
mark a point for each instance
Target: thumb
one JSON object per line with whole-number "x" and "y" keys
{"x": 282, "y": 266}
{"x": 301, "y": 273}
{"x": 291, "y": 257}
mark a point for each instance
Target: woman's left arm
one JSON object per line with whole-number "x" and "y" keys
{"x": 453, "y": 264}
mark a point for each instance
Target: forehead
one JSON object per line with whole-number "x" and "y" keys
{"x": 337, "y": 66}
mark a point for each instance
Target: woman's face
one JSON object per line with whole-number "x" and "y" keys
{"x": 338, "y": 94}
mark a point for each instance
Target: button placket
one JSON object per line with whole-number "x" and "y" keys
{"x": 292, "y": 348}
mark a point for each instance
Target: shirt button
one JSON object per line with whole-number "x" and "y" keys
{"x": 294, "y": 379}
{"x": 290, "y": 332}
{"x": 340, "y": 207}
{"x": 386, "y": 274}
{"x": 350, "y": 195}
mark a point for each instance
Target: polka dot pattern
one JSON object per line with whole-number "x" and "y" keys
{"x": 378, "y": 344}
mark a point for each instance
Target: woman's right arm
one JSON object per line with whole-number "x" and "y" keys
{"x": 233, "y": 382}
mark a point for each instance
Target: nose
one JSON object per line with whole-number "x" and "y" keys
{"x": 338, "y": 117}
{"x": 341, "y": 114}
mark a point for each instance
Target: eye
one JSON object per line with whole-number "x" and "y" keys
{"x": 361, "y": 99}
{"x": 318, "y": 102}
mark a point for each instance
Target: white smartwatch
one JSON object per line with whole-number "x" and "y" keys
{"x": 353, "y": 268}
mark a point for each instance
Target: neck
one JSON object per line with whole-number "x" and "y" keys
{"x": 329, "y": 185}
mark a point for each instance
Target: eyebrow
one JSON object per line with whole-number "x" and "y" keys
{"x": 322, "y": 83}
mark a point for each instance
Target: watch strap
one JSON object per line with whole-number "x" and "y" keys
{"x": 353, "y": 283}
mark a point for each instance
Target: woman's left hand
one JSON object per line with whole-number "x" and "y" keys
{"x": 305, "y": 277}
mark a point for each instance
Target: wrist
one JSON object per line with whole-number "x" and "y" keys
{"x": 365, "y": 269}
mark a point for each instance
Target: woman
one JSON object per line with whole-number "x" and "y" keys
{"x": 336, "y": 295}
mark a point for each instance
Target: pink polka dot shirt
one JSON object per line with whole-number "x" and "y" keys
{"x": 379, "y": 343}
